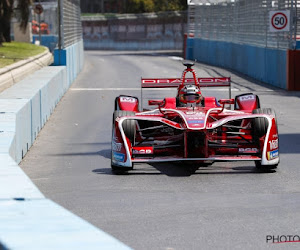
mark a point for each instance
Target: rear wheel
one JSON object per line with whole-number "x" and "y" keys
{"x": 260, "y": 127}
{"x": 130, "y": 132}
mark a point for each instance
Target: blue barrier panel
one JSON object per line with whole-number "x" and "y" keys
{"x": 189, "y": 48}
{"x": 49, "y": 41}
{"x": 264, "y": 64}
{"x": 72, "y": 57}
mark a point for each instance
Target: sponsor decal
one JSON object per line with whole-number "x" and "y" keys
{"x": 283, "y": 238}
{"x": 196, "y": 118}
{"x": 195, "y": 121}
{"x": 187, "y": 80}
{"x": 247, "y": 98}
{"x": 228, "y": 111}
{"x": 248, "y": 150}
{"x": 194, "y": 114}
{"x": 116, "y": 146}
{"x": 128, "y": 99}
{"x": 275, "y": 135}
{"x": 119, "y": 157}
{"x": 142, "y": 150}
{"x": 273, "y": 154}
{"x": 273, "y": 144}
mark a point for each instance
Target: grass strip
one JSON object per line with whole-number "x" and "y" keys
{"x": 16, "y": 51}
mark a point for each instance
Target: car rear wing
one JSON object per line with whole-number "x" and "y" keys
{"x": 176, "y": 82}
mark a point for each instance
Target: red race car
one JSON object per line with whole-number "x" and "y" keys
{"x": 193, "y": 127}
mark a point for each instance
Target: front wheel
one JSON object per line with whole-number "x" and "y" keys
{"x": 260, "y": 127}
{"x": 130, "y": 132}
{"x": 260, "y": 124}
{"x": 129, "y": 126}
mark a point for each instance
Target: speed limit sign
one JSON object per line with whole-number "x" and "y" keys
{"x": 279, "y": 21}
{"x": 38, "y": 9}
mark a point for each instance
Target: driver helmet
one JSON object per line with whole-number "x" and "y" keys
{"x": 190, "y": 94}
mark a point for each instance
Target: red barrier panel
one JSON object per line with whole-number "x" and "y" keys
{"x": 293, "y": 73}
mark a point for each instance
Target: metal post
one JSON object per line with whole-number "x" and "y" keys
{"x": 102, "y": 6}
{"x": 39, "y": 19}
{"x": 40, "y": 36}
{"x": 294, "y": 26}
{"x": 60, "y": 24}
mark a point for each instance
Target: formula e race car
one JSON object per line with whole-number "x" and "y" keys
{"x": 193, "y": 127}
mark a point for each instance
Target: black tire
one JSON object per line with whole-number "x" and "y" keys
{"x": 120, "y": 170}
{"x": 116, "y": 104}
{"x": 128, "y": 125}
{"x": 260, "y": 124}
{"x": 260, "y": 127}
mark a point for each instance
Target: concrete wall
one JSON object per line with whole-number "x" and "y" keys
{"x": 135, "y": 32}
{"x": 30, "y": 104}
{"x": 264, "y": 64}
{"x": 72, "y": 57}
{"x": 28, "y": 220}
{"x": 11, "y": 74}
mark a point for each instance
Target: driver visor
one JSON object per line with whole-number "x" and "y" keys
{"x": 191, "y": 97}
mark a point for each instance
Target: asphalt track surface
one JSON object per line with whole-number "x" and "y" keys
{"x": 165, "y": 206}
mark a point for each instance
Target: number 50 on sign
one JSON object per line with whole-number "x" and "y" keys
{"x": 279, "y": 20}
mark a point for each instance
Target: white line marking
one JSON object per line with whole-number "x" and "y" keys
{"x": 102, "y": 89}
{"x": 176, "y": 58}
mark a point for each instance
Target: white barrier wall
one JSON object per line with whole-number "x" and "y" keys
{"x": 28, "y": 220}
{"x": 27, "y": 106}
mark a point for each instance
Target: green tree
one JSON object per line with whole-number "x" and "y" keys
{"x": 140, "y": 6}
{"x": 6, "y": 12}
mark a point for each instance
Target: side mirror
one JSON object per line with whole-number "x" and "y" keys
{"x": 226, "y": 101}
{"x": 156, "y": 102}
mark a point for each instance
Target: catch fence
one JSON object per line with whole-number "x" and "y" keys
{"x": 59, "y": 24}
{"x": 243, "y": 22}
{"x": 70, "y": 22}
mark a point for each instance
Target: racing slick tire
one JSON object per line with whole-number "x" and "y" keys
{"x": 130, "y": 132}
{"x": 128, "y": 125}
{"x": 260, "y": 126}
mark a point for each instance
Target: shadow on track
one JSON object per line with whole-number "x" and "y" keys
{"x": 141, "y": 53}
{"x": 177, "y": 169}
{"x": 182, "y": 170}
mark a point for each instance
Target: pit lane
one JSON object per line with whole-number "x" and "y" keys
{"x": 164, "y": 206}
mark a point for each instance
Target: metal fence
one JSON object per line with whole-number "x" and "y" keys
{"x": 48, "y": 19}
{"x": 243, "y": 21}
{"x": 70, "y": 29}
